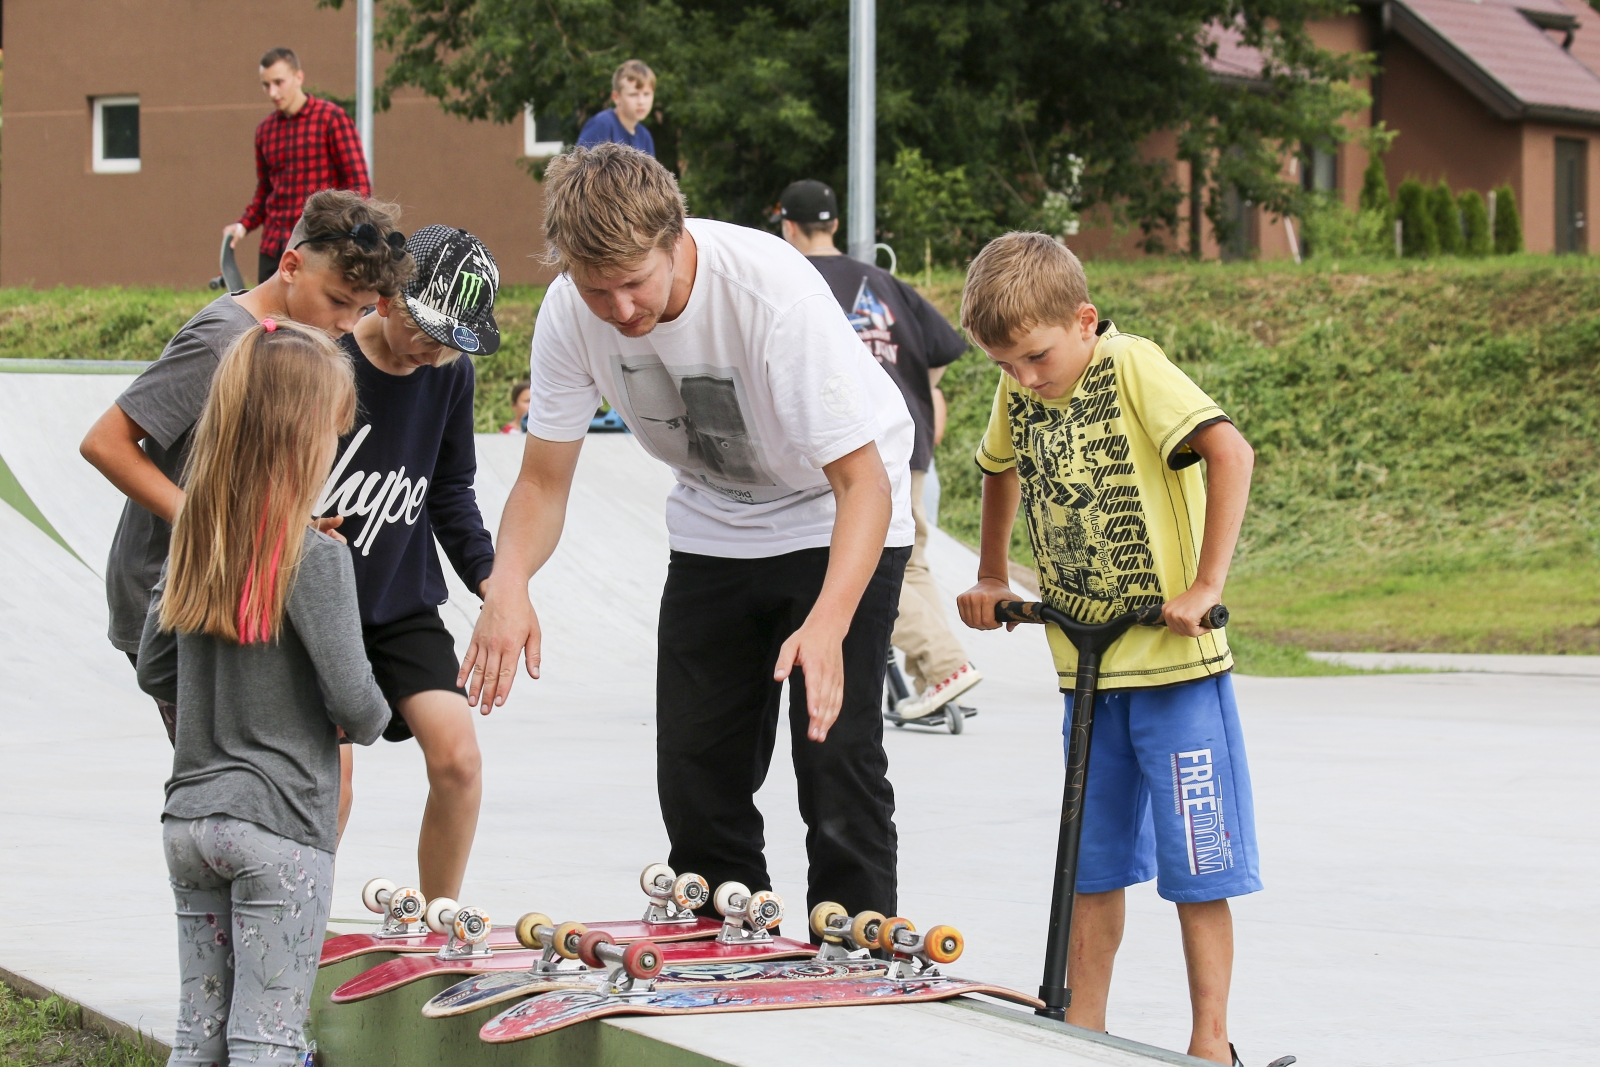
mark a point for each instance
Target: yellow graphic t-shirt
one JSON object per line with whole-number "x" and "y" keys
{"x": 1115, "y": 503}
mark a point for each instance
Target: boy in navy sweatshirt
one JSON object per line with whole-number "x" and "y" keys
{"x": 404, "y": 476}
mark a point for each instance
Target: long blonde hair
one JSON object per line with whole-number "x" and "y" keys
{"x": 264, "y": 444}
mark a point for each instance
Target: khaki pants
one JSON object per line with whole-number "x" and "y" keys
{"x": 922, "y": 631}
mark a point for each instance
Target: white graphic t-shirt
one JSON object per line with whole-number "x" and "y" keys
{"x": 747, "y": 395}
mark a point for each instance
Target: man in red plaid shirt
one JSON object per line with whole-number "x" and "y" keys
{"x": 306, "y": 145}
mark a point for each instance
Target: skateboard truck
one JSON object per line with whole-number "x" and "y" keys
{"x": 640, "y": 961}
{"x": 747, "y": 918}
{"x": 1091, "y": 641}
{"x": 401, "y": 909}
{"x": 844, "y": 936}
{"x": 537, "y": 931}
{"x": 673, "y": 897}
{"x": 918, "y": 956}
{"x": 468, "y": 929}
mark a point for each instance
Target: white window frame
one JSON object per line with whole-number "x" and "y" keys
{"x": 531, "y": 145}
{"x": 102, "y": 165}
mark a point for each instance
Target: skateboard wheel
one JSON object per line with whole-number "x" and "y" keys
{"x": 642, "y": 960}
{"x": 370, "y": 891}
{"x": 889, "y": 928}
{"x": 764, "y": 910}
{"x": 655, "y": 878}
{"x": 587, "y": 944}
{"x": 567, "y": 937}
{"x": 406, "y": 905}
{"x": 725, "y": 894}
{"x": 819, "y": 920}
{"x": 528, "y": 929}
{"x": 472, "y": 925}
{"x": 864, "y": 929}
{"x": 690, "y": 891}
{"x": 438, "y": 907}
{"x": 943, "y": 944}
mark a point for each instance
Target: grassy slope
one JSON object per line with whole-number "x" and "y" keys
{"x": 49, "y": 1033}
{"x": 1426, "y": 434}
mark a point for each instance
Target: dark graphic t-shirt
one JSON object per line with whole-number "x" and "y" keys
{"x": 607, "y": 127}
{"x": 404, "y": 476}
{"x": 904, "y": 332}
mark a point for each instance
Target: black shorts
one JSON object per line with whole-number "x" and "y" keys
{"x": 411, "y": 655}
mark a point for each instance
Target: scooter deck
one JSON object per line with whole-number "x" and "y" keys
{"x": 553, "y": 1011}
{"x": 488, "y": 989}
{"x": 348, "y": 946}
{"x": 392, "y": 974}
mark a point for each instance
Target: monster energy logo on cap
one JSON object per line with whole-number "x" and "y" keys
{"x": 471, "y": 289}
{"x": 452, "y": 295}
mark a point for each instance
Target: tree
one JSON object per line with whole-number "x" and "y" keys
{"x": 1446, "y": 222}
{"x": 920, "y": 207}
{"x": 1420, "y": 237}
{"x": 1475, "y": 221}
{"x": 1375, "y": 187}
{"x": 1035, "y": 99}
{"x": 1507, "y": 223}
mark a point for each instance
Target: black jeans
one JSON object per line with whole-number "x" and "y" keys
{"x": 266, "y": 266}
{"x": 722, "y": 624}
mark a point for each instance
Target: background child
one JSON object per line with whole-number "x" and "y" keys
{"x": 633, "y": 94}
{"x": 256, "y": 637}
{"x": 520, "y": 397}
{"x": 1100, "y": 437}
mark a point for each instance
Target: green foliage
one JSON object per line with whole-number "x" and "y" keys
{"x": 1507, "y": 222}
{"x": 751, "y": 97}
{"x": 1475, "y": 221}
{"x": 920, "y": 207}
{"x": 1420, "y": 236}
{"x": 1375, "y": 187}
{"x": 1333, "y": 231}
{"x": 49, "y": 1032}
{"x": 1446, "y": 220}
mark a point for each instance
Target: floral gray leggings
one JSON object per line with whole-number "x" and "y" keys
{"x": 252, "y": 907}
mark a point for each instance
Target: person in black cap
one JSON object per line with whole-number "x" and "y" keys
{"x": 404, "y": 476}
{"x": 914, "y": 343}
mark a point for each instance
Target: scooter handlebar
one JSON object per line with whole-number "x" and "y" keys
{"x": 1034, "y": 611}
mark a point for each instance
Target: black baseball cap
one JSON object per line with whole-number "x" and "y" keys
{"x": 808, "y": 200}
{"x": 452, "y": 294}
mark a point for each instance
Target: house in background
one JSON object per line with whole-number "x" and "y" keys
{"x": 129, "y": 134}
{"x": 1481, "y": 92}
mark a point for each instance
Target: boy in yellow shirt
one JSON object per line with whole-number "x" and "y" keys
{"x": 1100, "y": 436}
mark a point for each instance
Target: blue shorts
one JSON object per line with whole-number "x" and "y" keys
{"x": 1181, "y": 743}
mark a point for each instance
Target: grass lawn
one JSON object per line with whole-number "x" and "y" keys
{"x": 49, "y": 1033}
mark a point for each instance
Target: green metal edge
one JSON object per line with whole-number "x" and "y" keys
{"x": 12, "y": 493}
{"x": 72, "y": 366}
{"x": 390, "y": 1031}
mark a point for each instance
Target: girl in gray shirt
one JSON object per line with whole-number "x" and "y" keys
{"x": 255, "y": 635}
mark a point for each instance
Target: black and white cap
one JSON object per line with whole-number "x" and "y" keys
{"x": 452, "y": 295}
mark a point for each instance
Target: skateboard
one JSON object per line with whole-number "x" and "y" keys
{"x": 230, "y": 278}
{"x": 668, "y": 916}
{"x": 553, "y": 1011}
{"x": 489, "y": 989}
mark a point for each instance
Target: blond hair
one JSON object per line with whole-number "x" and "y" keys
{"x": 1019, "y": 281}
{"x": 419, "y": 336}
{"x": 263, "y": 446}
{"x": 607, "y": 207}
{"x": 634, "y": 70}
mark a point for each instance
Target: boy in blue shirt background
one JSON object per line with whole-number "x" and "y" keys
{"x": 633, "y": 94}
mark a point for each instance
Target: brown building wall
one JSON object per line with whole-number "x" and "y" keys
{"x": 62, "y": 224}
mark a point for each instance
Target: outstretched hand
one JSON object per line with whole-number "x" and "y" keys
{"x": 507, "y": 627}
{"x": 818, "y": 651}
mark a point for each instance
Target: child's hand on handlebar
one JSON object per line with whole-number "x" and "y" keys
{"x": 977, "y": 604}
{"x": 1183, "y": 614}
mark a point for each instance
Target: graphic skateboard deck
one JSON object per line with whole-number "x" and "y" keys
{"x": 553, "y": 1011}
{"x": 348, "y": 946}
{"x": 483, "y": 990}
{"x": 392, "y": 974}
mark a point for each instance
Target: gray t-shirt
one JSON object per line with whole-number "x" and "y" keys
{"x": 256, "y": 723}
{"x": 166, "y": 401}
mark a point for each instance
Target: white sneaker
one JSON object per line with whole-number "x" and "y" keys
{"x": 937, "y": 696}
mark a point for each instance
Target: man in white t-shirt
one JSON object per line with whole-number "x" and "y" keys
{"x": 790, "y": 525}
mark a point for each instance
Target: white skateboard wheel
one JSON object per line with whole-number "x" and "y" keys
{"x": 656, "y": 879}
{"x": 764, "y": 909}
{"x": 726, "y": 892}
{"x": 472, "y": 925}
{"x": 440, "y": 914}
{"x": 370, "y": 891}
{"x": 406, "y": 905}
{"x": 690, "y": 891}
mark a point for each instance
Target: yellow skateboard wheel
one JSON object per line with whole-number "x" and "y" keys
{"x": 819, "y": 920}
{"x": 528, "y": 932}
{"x": 567, "y": 937}
{"x": 891, "y": 927}
{"x": 864, "y": 929}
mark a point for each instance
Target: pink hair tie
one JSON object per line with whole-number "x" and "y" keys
{"x": 269, "y": 325}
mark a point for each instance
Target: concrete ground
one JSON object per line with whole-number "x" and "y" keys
{"x": 1428, "y": 859}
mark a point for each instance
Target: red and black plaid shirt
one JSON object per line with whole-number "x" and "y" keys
{"x": 318, "y": 148}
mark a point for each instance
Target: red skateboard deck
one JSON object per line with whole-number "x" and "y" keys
{"x": 348, "y": 946}
{"x": 392, "y": 974}
{"x": 553, "y": 1011}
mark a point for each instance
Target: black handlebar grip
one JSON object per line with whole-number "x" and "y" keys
{"x": 1018, "y": 611}
{"x": 1216, "y": 618}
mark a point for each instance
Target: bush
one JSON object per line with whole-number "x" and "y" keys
{"x": 1446, "y": 221}
{"x": 1507, "y": 223}
{"x": 920, "y": 207}
{"x": 1477, "y": 241}
{"x": 1332, "y": 230}
{"x": 1420, "y": 236}
{"x": 1375, "y": 188}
